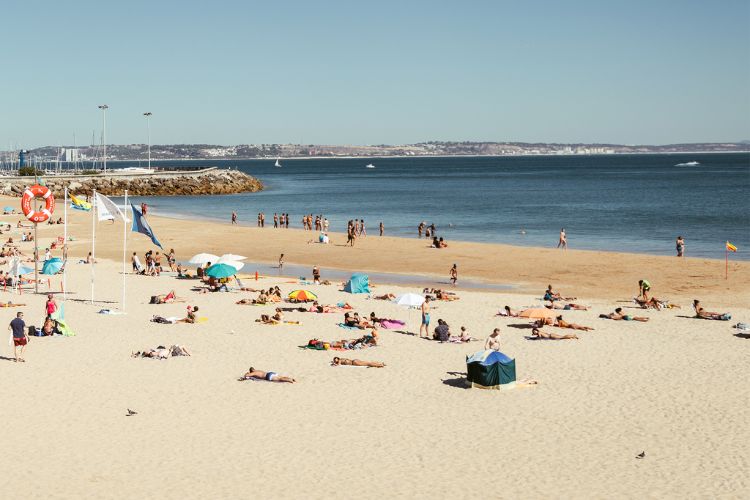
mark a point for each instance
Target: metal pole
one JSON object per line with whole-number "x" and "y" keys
{"x": 93, "y": 244}
{"x": 105, "y": 139}
{"x": 36, "y": 260}
{"x": 65, "y": 248}
{"x": 124, "y": 248}
{"x": 148, "y": 127}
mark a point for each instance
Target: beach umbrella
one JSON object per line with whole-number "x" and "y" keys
{"x": 230, "y": 257}
{"x": 537, "y": 313}
{"x": 221, "y": 271}
{"x": 410, "y": 300}
{"x": 203, "y": 258}
{"x": 302, "y": 296}
{"x": 52, "y": 266}
{"x": 234, "y": 264}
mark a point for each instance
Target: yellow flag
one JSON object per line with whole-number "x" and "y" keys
{"x": 731, "y": 247}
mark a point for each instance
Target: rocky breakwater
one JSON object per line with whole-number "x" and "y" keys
{"x": 202, "y": 182}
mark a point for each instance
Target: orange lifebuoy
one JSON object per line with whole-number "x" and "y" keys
{"x": 29, "y": 195}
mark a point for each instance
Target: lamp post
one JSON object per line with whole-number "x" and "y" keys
{"x": 148, "y": 114}
{"x": 104, "y": 109}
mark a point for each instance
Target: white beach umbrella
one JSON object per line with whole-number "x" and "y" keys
{"x": 231, "y": 257}
{"x": 233, "y": 263}
{"x": 409, "y": 300}
{"x": 202, "y": 258}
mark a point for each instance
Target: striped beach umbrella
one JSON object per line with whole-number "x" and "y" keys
{"x": 302, "y": 296}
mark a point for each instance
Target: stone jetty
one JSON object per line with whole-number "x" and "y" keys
{"x": 115, "y": 182}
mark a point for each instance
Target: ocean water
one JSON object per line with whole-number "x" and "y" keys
{"x": 631, "y": 203}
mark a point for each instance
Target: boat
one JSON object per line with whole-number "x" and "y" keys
{"x": 277, "y": 164}
{"x": 369, "y": 165}
{"x": 688, "y": 164}
{"x": 136, "y": 170}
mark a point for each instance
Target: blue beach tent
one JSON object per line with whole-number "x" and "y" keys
{"x": 358, "y": 283}
{"x": 490, "y": 370}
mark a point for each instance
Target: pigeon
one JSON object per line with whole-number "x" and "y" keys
{"x": 131, "y": 413}
{"x": 641, "y": 455}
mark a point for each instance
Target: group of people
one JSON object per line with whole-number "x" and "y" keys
{"x": 429, "y": 231}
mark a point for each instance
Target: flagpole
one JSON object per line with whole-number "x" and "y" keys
{"x": 93, "y": 243}
{"x": 124, "y": 249}
{"x": 726, "y": 263}
{"x": 64, "y": 248}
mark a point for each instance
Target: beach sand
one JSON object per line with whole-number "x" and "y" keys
{"x": 674, "y": 387}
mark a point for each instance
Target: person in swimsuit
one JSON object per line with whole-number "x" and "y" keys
{"x": 702, "y": 313}
{"x": 680, "y": 246}
{"x": 252, "y": 373}
{"x": 643, "y": 287}
{"x": 561, "y": 323}
{"x": 425, "y": 318}
{"x": 382, "y": 229}
{"x": 566, "y": 307}
{"x": 337, "y": 361}
{"x": 493, "y": 341}
{"x": 454, "y": 274}
{"x": 508, "y": 312}
{"x": 51, "y": 305}
{"x": 563, "y": 242}
{"x": 316, "y": 275}
{"x": 536, "y": 333}
{"x": 618, "y": 315}
{"x": 190, "y": 318}
{"x": 281, "y": 262}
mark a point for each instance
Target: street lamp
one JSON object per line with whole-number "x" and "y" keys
{"x": 148, "y": 114}
{"x": 104, "y": 109}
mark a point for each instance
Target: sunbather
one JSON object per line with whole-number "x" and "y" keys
{"x": 271, "y": 320}
{"x": 337, "y": 361}
{"x": 538, "y": 334}
{"x": 703, "y": 314}
{"x": 561, "y": 323}
{"x": 464, "y": 337}
{"x": 10, "y": 304}
{"x": 618, "y": 315}
{"x": 190, "y": 318}
{"x": 166, "y": 298}
{"x": 551, "y": 295}
{"x": 508, "y": 312}
{"x": 567, "y": 307}
{"x": 386, "y": 296}
{"x": 655, "y": 303}
{"x": 252, "y": 373}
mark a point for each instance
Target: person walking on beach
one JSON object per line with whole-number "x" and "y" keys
{"x": 275, "y": 219}
{"x": 234, "y": 217}
{"x": 325, "y": 225}
{"x": 316, "y": 275}
{"x": 20, "y": 336}
{"x": 420, "y": 228}
{"x": 262, "y": 219}
{"x": 281, "y": 262}
{"x": 286, "y": 221}
{"x": 454, "y": 274}
{"x": 425, "y": 318}
{"x": 680, "y": 245}
{"x": 382, "y": 228}
{"x": 362, "y": 230}
{"x": 563, "y": 240}
{"x": 51, "y": 306}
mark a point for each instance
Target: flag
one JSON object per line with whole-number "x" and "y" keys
{"x": 140, "y": 225}
{"x": 731, "y": 247}
{"x": 79, "y": 204}
{"x": 107, "y": 210}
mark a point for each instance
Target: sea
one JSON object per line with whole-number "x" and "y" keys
{"x": 623, "y": 203}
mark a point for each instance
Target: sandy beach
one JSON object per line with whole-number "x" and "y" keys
{"x": 674, "y": 387}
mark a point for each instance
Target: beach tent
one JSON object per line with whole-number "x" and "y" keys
{"x": 358, "y": 283}
{"x": 490, "y": 370}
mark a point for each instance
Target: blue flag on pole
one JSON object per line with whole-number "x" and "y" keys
{"x": 141, "y": 226}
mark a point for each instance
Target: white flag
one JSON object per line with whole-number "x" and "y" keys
{"x": 107, "y": 209}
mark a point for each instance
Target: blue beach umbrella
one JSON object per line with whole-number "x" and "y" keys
{"x": 52, "y": 266}
{"x": 221, "y": 271}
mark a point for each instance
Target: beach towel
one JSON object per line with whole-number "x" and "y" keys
{"x": 723, "y": 317}
{"x": 392, "y": 324}
{"x": 347, "y": 327}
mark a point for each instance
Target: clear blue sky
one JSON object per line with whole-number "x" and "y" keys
{"x": 230, "y": 72}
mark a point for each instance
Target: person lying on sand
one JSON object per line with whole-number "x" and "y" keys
{"x": 561, "y": 323}
{"x": 551, "y": 295}
{"x": 536, "y": 333}
{"x": 703, "y": 314}
{"x": 10, "y": 304}
{"x": 271, "y": 320}
{"x": 618, "y": 315}
{"x": 508, "y": 312}
{"x": 166, "y": 298}
{"x": 337, "y": 361}
{"x": 386, "y": 296}
{"x": 261, "y": 300}
{"x": 353, "y": 320}
{"x": 566, "y": 307}
{"x": 655, "y": 303}
{"x": 162, "y": 352}
{"x": 252, "y": 373}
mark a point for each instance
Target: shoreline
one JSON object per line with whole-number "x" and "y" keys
{"x": 582, "y": 273}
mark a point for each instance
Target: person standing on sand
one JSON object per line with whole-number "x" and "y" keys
{"x": 680, "y": 245}
{"x": 425, "y": 318}
{"x": 382, "y": 228}
{"x": 643, "y": 288}
{"x": 316, "y": 275}
{"x": 234, "y": 217}
{"x": 325, "y": 225}
{"x": 563, "y": 240}
{"x": 281, "y": 262}
{"x": 262, "y": 219}
{"x": 286, "y": 221}
{"x": 454, "y": 274}
{"x": 275, "y": 219}
{"x": 362, "y": 230}
{"x": 420, "y": 228}
{"x": 20, "y": 336}
{"x": 51, "y": 306}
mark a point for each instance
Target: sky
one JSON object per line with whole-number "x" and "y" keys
{"x": 328, "y": 72}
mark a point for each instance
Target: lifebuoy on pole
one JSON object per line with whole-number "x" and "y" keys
{"x": 32, "y": 193}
